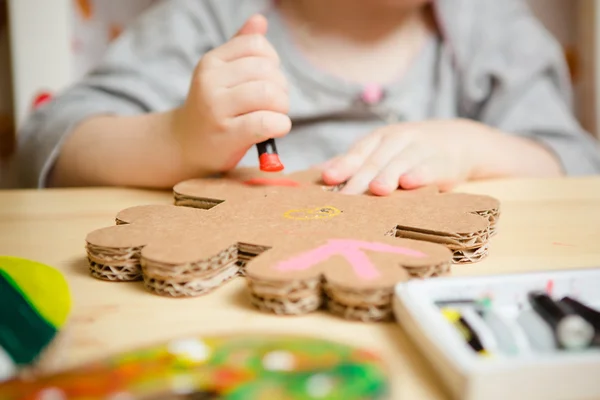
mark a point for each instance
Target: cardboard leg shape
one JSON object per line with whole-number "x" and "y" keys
{"x": 300, "y": 245}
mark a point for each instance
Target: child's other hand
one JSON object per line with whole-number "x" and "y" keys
{"x": 408, "y": 156}
{"x": 238, "y": 97}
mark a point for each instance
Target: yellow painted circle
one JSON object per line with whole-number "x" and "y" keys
{"x": 326, "y": 212}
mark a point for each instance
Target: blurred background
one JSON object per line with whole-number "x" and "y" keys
{"x": 47, "y": 44}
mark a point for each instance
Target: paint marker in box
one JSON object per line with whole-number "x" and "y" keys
{"x": 510, "y": 336}
{"x": 506, "y": 335}
{"x": 468, "y": 333}
{"x": 571, "y": 331}
{"x": 589, "y": 314}
{"x": 538, "y": 332}
{"x": 483, "y": 331}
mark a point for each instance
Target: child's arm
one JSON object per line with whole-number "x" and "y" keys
{"x": 517, "y": 81}
{"x": 121, "y": 151}
{"x": 515, "y": 103}
{"x": 442, "y": 153}
{"x": 152, "y": 115}
{"x": 77, "y": 138}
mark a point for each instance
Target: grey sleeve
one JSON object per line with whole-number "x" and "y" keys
{"x": 147, "y": 69}
{"x": 517, "y": 81}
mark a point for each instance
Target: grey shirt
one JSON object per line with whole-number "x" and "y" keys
{"x": 494, "y": 63}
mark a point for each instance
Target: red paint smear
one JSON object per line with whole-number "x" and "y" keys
{"x": 270, "y": 163}
{"x": 563, "y": 244}
{"x": 272, "y": 182}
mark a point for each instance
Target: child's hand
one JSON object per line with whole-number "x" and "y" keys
{"x": 238, "y": 97}
{"x": 409, "y": 155}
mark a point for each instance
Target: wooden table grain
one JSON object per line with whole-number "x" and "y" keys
{"x": 545, "y": 225}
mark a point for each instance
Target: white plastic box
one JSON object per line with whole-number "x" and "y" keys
{"x": 560, "y": 375}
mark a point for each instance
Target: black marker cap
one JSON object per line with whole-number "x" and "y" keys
{"x": 588, "y": 313}
{"x": 571, "y": 331}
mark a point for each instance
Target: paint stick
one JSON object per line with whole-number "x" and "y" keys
{"x": 467, "y": 332}
{"x": 509, "y": 335}
{"x": 483, "y": 331}
{"x": 571, "y": 331}
{"x": 591, "y": 315}
{"x": 268, "y": 156}
{"x": 540, "y": 335}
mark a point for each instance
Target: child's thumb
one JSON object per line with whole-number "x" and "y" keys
{"x": 255, "y": 25}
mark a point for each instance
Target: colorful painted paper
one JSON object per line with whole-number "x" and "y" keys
{"x": 232, "y": 368}
{"x": 36, "y": 302}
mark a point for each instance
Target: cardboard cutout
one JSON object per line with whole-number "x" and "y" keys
{"x": 299, "y": 244}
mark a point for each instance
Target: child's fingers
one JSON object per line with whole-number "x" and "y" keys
{"x": 342, "y": 168}
{"x": 388, "y": 179}
{"x": 249, "y": 41}
{"x": 417, "y": 177}
{"x": 254, "y": 96}
{"x": 432, "y": 172}
{"x": 389, "y": 147}
{"x": 324, "y": 166}
{"x": 238, "y": 47}
{"x": 256, "y": 24}
{"x": 259, "y": 126}
{"x": 248, "y": 69}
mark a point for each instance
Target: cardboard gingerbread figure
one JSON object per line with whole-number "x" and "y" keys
{"x": 300, "y": 245}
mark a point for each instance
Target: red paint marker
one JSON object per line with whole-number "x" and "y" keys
{"x": 268, "y": 156}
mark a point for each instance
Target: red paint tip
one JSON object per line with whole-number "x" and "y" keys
{"x": 270, "y": 163}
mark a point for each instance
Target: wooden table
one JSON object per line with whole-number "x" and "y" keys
{"x": 547, "y": 224}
